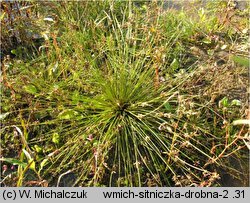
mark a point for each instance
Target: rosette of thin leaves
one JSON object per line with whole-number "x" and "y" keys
{"x": 127, "y": 132}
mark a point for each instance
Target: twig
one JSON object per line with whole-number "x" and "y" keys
{"x": 59, "y": 179}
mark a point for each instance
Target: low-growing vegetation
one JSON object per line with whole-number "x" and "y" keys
{"x": 124, "y": 93}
